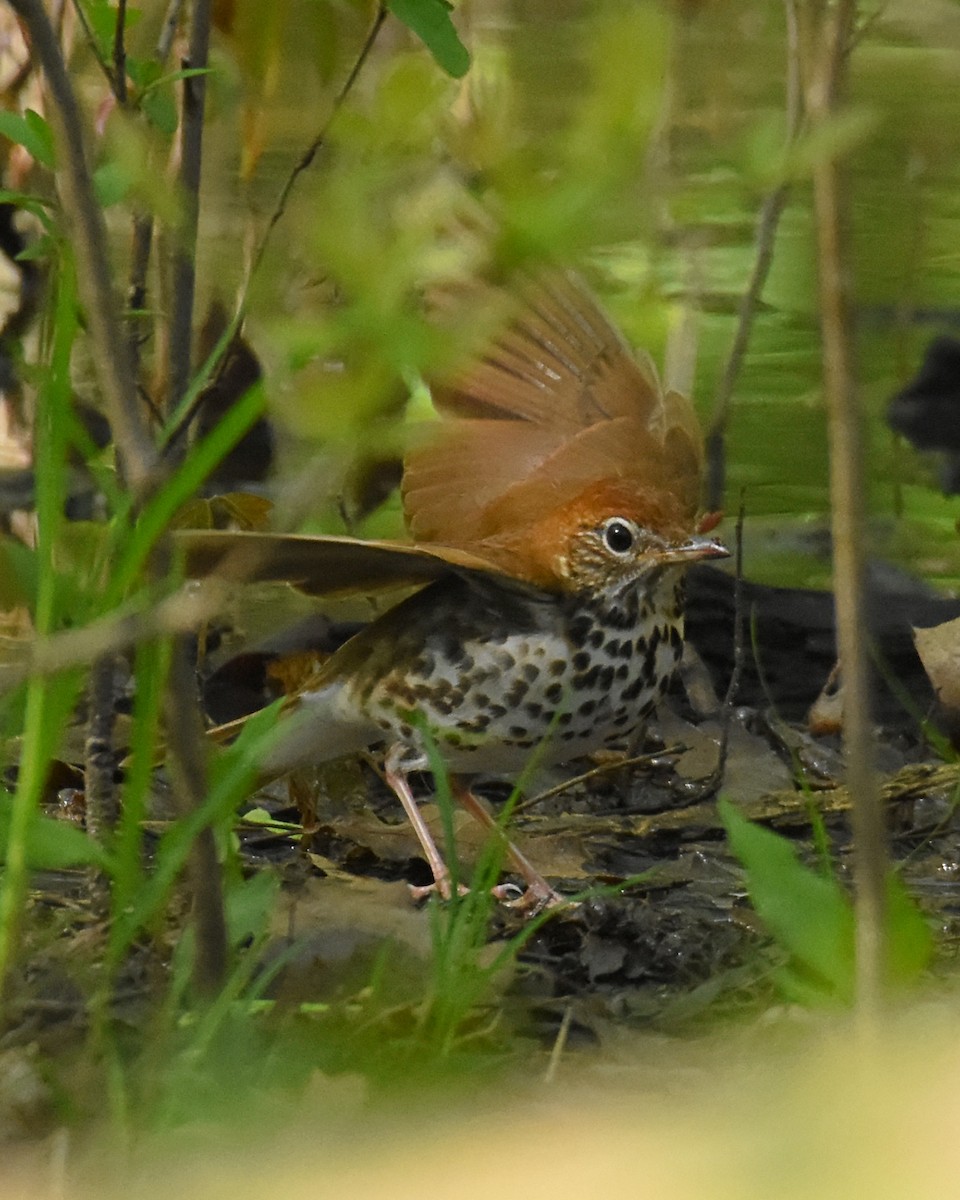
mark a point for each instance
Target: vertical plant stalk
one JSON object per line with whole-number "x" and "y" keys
{"x": 183, "y": 266}
{"x": 185, "y": 734}
{"x": 767, "y": 224}
{"x": 827, "y": 47}
{"x": 188, "y": 769}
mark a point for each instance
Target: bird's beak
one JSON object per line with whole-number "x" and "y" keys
{"x": 692, "y": 550}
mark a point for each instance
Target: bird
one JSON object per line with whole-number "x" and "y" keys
{"x": 553, "y": 507}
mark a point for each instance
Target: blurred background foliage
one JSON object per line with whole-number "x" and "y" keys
{"x": 635, "y": 140}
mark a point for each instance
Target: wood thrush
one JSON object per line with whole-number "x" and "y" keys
{"x": 553, "y": 509}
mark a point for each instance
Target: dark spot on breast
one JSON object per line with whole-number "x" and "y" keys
{"x": 533, "y": 710}
{"x": 518, "y": 690}
{"x": 605, "y": 677}
{"x": 497, "y": 710}
{"x": 505, "y": 660}
{"x": 557, "y": 667}
{"x": 612, "y": 648}
{"x": 481, "y": 700}
{"x": 564, "y": 718}
{"x": 587, "y": 680}
{"x": 579, "y": 630}
{"x": 531, "y": 672}
{"x": 518, "y": 731}
{"x": 554, "y": 693}
{"x": 596, "y": 638}
{"x": 587, "y": 707}
{"x": 623, "y": 671}
{"x": 451, "y": 648}
{"x": 633, "y": 690}
{"x": 621, "y": 719}
{"x": 581, "y": 660}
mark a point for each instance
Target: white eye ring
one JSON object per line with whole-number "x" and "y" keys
{"x": 619, "y": 535}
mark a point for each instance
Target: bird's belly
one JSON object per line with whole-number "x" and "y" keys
{"x": 526, "y": 698}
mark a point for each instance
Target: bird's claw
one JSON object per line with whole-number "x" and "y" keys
{"x": 529, "y": 901}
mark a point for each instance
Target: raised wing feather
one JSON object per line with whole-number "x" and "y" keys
{"x": 558, "y": 402}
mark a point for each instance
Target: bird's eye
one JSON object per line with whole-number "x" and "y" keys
{"x": 619, "y": 535}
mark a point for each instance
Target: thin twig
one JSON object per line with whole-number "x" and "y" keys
{"x": 88, "y": 236}
{"x": 829, "y": 43}
{"x": 94, "y": 45}
{"x": 767, "y": 225}
{"x": 604, "y": 768}
{"x": 120, "y": 53}
{"x": 313, "y": 149}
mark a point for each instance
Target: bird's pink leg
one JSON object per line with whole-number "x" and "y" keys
{"x": 397, "y": 780}
{"x": 539, "y": 894}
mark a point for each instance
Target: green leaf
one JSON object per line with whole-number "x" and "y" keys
{"x": 51, "y": 845}
{"x": 30, "y": 131}
{"x": 810, "y": 915}
{"x": 160, "y": 109}
{"x": 812, "y": 918}
{"x": 430, "y": 21}
{"x": 111, "y": 182}
{"x": 909, "y": 938}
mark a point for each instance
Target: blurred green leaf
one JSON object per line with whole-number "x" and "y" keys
{"x": 812, "y": 917}
{"x": 160, "y": 109}
{"x": 32, "y": 132}
{"x": 809, "y": 914}
{"x": 111, "y": 183}
{"x": 51, "y": 845}
{"x": 909, "y": 937}
{"x": 430, "y": 21}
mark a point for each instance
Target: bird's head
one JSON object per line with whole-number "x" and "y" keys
{"x": 613, "y": 534}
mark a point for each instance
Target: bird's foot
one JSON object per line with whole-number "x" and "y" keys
{"x": 528, "y": 901}
{"x": 537, "y": 898}
{"x": 440, "y": 887}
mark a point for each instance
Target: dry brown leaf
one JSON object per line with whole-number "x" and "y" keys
{"x": 939, "y": 650}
